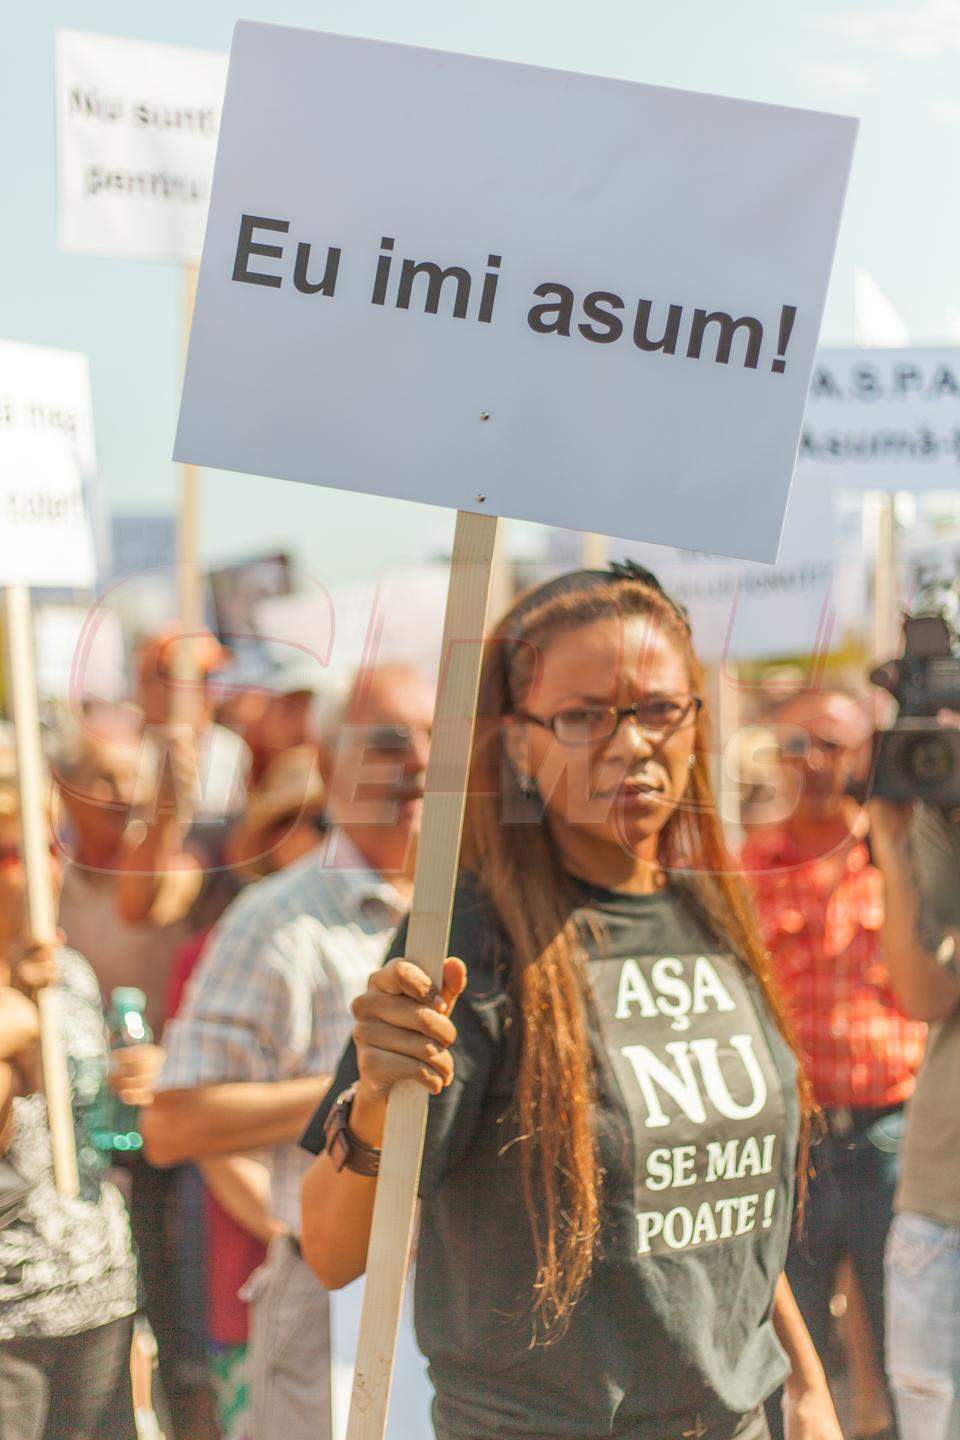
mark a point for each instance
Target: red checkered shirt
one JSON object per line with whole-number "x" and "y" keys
{"x": 823, "y": 932}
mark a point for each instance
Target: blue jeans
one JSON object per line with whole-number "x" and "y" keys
{"x": 923, "y": 1326}
{"x": 849, "y": 1212}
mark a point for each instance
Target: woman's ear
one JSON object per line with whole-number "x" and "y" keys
{"x": 513, "y": 738}
{"x": 520, "y": 799}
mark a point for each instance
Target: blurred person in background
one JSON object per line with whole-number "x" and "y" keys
{"x": 133, "y": 894}
{"x": 212, "y": 764}
{"x": 918, "y": 852}
{"x": 266, "y": 1014}
{"x": 285, "y": 718}
{"x": 129, "y": 884}
{"x": 68, "y": 1283}
{"x": 820, "y": 904}
{"x": 284, "y": 819}
{"x": 283, "y": 822}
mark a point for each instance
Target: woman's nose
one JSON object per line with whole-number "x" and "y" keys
{"x": 631, "y": 739}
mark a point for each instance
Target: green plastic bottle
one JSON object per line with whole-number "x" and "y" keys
{"x": 117, "y": 1125}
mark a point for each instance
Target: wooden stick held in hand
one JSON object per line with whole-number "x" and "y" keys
{"x": 434, "y": 882}
{"x": 36, "y": 861}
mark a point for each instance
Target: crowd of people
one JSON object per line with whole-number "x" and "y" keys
{"x": 688, "y": 1104}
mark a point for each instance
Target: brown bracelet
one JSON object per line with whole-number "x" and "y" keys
{"x": 345, "y": 1149}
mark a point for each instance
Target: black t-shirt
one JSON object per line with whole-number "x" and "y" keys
{"x": 697, "y": 1121}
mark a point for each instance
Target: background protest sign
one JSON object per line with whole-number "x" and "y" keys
{"x": 884, "y": 419}
{"x": 742, "y": 612}
{"x": 476, "y": 313}
{"x": 80, "y": 655}
{"x": 42, "y": 390}
{"x": 136, "y": 136}
{"x": 141, "y": 542}
{"x": 394, "y": 617}
{"x": 45, "y": 536}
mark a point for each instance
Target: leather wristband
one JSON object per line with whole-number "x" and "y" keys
{"x": 346, "y": 1151}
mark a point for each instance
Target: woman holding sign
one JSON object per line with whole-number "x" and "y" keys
{"x": 608, "y": 1179}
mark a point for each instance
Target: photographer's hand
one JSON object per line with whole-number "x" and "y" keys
{"x": 890, "y": 822}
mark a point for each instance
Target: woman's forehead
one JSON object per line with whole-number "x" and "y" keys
{"x": 613, "y": 650}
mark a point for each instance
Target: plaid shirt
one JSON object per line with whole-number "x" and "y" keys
{"x": 823, "y": 933}
{"x": 270, "y": 999}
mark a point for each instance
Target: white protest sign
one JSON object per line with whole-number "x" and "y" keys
{"x": 929, "y": 565}
{"x": 884, "y": 419}
{"x": 394, "y": 617}
{"x": 43, "y": 390}
{"x": 79, "y": 653}
{"x": 743, "y": 612}
{"x": 511, "y": 290}
{"x": 45, "y": 536}
{"x": 136, "y": 136}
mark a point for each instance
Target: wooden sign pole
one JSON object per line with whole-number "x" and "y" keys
{"x": 185, "y": 669}
{"x": 594, "y": 552}
{"x": 434, "y": 881}
{"x": 36, "y": 861}
{"x": 886, "y": 602}
{"x": 190, "y": 594}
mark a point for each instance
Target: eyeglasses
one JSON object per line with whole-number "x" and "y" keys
{"x": 658, "y": 716}
{"x": 798, "y": 747}
{"x": 314, "y": 818}
{"x": 392, "y": 737}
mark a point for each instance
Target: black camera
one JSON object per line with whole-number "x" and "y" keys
{"x": 918, "y": 758}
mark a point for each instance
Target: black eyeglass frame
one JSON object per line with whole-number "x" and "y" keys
{"x": 618, "y": 714}
{"x": 393, "y": 738}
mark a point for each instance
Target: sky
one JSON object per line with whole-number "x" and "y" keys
{"x": 894, "y": 64}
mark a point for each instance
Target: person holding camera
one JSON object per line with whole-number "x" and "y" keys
{"x": 820, "y": 901}
{"x": 917, "y": 849}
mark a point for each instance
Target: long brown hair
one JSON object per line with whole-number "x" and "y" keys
{"x": 520, "y": 868}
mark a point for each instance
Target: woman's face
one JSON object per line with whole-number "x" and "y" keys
{"x": 608, "y": 799}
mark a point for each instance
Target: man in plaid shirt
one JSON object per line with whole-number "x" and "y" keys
{"x": 267, "y": 1013}
{"x": 819, "y": 899}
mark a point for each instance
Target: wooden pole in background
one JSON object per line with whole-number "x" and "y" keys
{"x": 434, "y": 882}
{"x": 886, "y": 600}
{"x": 190, "y": 590}
{"x": 184, "y": 669}
{"x": 594, "y": 551}
{"x": 35, "y": 831}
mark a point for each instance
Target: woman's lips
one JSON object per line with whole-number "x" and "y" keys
{"x": 637, "y": 794}
{"x": 639, "y": 798}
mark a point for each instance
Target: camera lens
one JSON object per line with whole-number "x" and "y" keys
{"x": 929, "y": 761}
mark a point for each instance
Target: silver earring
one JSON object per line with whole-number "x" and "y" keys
{"x": 528, "y": 785}
{"x": 691, "y": 760}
